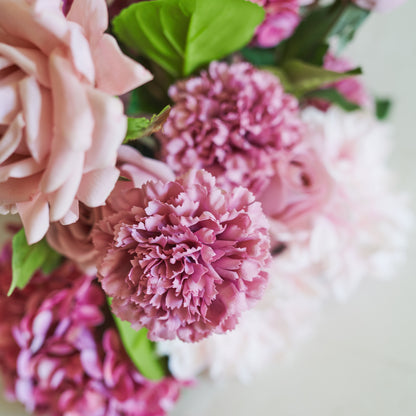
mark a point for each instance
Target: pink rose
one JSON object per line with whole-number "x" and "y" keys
{"x": 300, "y": 187}
{"x": 74, "y": 240}
{"x": 60, "y": 124}
{"x": 379, "y": 5}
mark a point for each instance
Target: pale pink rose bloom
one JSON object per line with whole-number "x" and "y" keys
{"x": 379, "y": 5}
{"x": 60, "y": 124}
{"x": 74, "y": 240}
{"x": 300, "y": 187}
{"x": 362, "y": 230}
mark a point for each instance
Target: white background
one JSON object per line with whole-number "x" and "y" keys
{"x": 361, "y": 361}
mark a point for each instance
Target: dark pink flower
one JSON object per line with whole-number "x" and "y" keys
{"x": 63, "y": 356}
{"x": 186, "y": 259}
{"x": 232, "y": 121}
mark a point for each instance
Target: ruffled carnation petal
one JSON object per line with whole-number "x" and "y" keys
{"x": 186, "y": 258}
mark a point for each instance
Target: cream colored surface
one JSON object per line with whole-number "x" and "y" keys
{"x": 362, "y": 359}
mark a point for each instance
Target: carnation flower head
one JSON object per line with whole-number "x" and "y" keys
{"x": 186, "y": 259}
{"x": 60, "y": 123}
{"x": 67, "y": 358}
{"x": 231, "y": 121}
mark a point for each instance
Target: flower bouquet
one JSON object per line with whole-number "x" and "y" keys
{"x": 193, "y": 182}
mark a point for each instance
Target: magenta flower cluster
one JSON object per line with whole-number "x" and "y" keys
{"x": 186, "y": 259}
{"x": 61, "y": 356}
{"x": 232, "y": 120}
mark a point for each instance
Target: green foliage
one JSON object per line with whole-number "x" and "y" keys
{"x": 142, "y": 127}
{"x": 335, "y": 97}
{"x": 383, "y": 108}
{"x": 299, "y": 78}
{"x": 339, "y": 20}
{"x": 183, "y": 35}
{"x": 27, "y": 259}
{"x": 140, "y": 350}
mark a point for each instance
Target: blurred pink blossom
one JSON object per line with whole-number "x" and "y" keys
{"x": 379, "y": 5}
{"x": 60, "y": 124}
{"x": 282, "y": 18}
{"x": 59, "y": 356}
{"x": 352, "y": 88}
{"x": 186, "y": 259}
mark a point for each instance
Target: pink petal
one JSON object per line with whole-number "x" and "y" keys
{"x": 81, "y": 53}
{"x": 18, "y": 190}
{"x": 11, "y": 138}
{"x": 109, "y": 129}
{"x": 92, "y": 16}
{"x": 30, "y": 61}
{"x": 37, "y": 112}
{"x": 45, "y": 35}
{"x": 21, "y": 169}
{"x": 35, "y": 218}
{"x": 123, "y": 74}
{"x": 62, "y": 199}
{"x": 9, "y": 98}
{"x": 97, "y": 185}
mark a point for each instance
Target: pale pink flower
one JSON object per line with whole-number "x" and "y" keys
{"x": 60, "y": 124}
{"x": 74, "y": 240}
{"x": 186, "y": 259}
{"x": 362, "y": 230}
{"x": 379, "y": 5}
{"x": 284, "y": 317}
{"x": 232, "y": 120}
{"x": 300, "y": 187}
{"x": 64, "y": 358}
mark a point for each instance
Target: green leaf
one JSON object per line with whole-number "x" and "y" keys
{"x": 303, "y": 77}
{"x": 259, "y": 56}
{"x": 345, "y": 27}
{"x": 383, "y": 108}
{"x": 335, "y": 97}
{"x": 27, "y": 259}
{"x": 142, "y": 127}
{"x": 140, "y": 350}
{"x": 339, "y": 20}
{"x": 183, "y": 35}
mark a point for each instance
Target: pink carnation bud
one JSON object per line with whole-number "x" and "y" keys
{"x": 232, "y": 120}
{"x": 186, "y": 259}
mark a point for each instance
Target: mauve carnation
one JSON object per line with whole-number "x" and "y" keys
{"x": 379, "y": 5}
{"x": 64, "y": 360}
{"x": 186, "y": 259}
{"x": 74, "y": 240}
{"x": 60, "y": 124}
{"x": 232, "y": 121}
